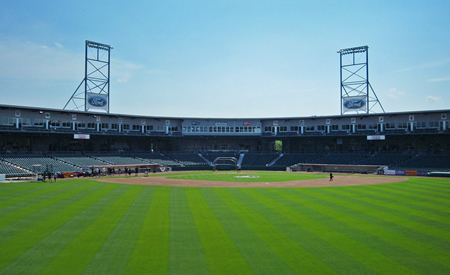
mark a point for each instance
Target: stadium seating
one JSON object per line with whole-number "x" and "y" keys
{"x": 290, "y": 159}
{"x": 340, "y": 158}
{"x": 12, "y": 171}
{"x": 435, "y": 162}
{"x": 383, "y": 159}
{"x": 117, "y": 160}
{"x": 82, "y": 161}
{"x": 188, "y": 159}
{"x": 44, "y": 162}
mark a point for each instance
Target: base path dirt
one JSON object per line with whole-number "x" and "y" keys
{"x": 341, "y": 180}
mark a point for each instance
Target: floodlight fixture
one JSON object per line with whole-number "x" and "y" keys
{"x": 353, "y": 50}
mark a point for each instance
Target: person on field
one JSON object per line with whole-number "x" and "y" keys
{"x": 331, "y": 176}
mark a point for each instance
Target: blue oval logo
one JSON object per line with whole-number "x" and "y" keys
{"x": 97, "y": 101}
{"x": 354, "y": 104}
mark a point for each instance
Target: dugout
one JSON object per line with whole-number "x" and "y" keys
{"x": 141, "y": 168}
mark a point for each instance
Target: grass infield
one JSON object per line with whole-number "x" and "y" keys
{"x": 83, "y": 226}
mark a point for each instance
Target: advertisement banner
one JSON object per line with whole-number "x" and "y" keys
{"x": 389, "y": 172}
{"x": 79, "y": 136}
{"x": 354, "y": 103}
{"x": 97, "y": 101}
{"x": 411, "y": 173}
{"x": 422, "y": 173}
{"x": 400, "y": 173}
{"x": 381, "y": 137}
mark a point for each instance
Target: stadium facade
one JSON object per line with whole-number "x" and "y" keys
{"x": 31, "y": 129}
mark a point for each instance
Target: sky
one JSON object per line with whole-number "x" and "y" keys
{"x": 226, "y": 59}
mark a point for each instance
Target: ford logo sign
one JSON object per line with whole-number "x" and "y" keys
{"x": 97, "y": 101}
{"x": 354, "y": 104}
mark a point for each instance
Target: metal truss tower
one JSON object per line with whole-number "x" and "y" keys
{"x": 357, "y": 95}
{"x": 96, "y": 79}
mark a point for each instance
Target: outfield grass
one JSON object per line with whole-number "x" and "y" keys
{"x": 82, "y": 226}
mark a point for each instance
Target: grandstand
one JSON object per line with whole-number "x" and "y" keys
{"x": 71, "y": 140}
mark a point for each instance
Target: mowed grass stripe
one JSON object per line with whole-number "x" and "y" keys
{"x": 353, "y": 248}
{"x": 20, "y": 211}
{"x": 14, "y": 247}
{"x": 309, "y": 239}
{"x": 186, "y": 251}
{"x": 79, "y": 252}
{"x": 385, "y": 218}
{"x": 414, "y": 197}
{"x": 222, "y": 254}
{"x": 8, "y": 207}
{"x": 24, "y": 222}
{"x": 390, "y": 212}
{"x": 392, "y": 199}
{"x": 424, "y": 191}
{"x": 116, "y": 251}
{"x": 357, "y": 225}
{"x": 30, "y": 193}
{"x": 151, "y": 251}
{"x": 7, "y": 189}
{"x": 259, "y": 239}
{"x": 51, "y": 245}
{"x": 235, "y": 221}
{"x": 431, "y": 184}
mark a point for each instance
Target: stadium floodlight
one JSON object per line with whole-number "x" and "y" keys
{"x": 357, "y": 95}
{"x": 353, "y": 50}
{"x": 96, "y": 79}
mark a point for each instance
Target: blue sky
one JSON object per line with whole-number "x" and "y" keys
{"x": 230, "y": 59}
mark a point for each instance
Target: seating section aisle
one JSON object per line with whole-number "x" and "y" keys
{"x": 188, "y": 159}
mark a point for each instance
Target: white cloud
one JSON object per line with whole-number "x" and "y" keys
{"x": 434, "y": 98}
{"x": 122, "y": 71}
{"x": 439, "y": 79}
{"x": 31, "y": 61}
{"x": 394, "y": 94}
{"x": 59, "y": 45}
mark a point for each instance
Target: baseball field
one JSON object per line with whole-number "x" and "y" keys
{"x": 226, "y": 223}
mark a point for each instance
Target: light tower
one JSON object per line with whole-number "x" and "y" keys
{"x": 96, "y": 79}
{"x": 357, "y": 95}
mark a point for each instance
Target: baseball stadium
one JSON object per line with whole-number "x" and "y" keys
{"x": 87, "y": 191}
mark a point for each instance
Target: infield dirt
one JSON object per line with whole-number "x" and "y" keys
{"x": 339, "y": 180}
